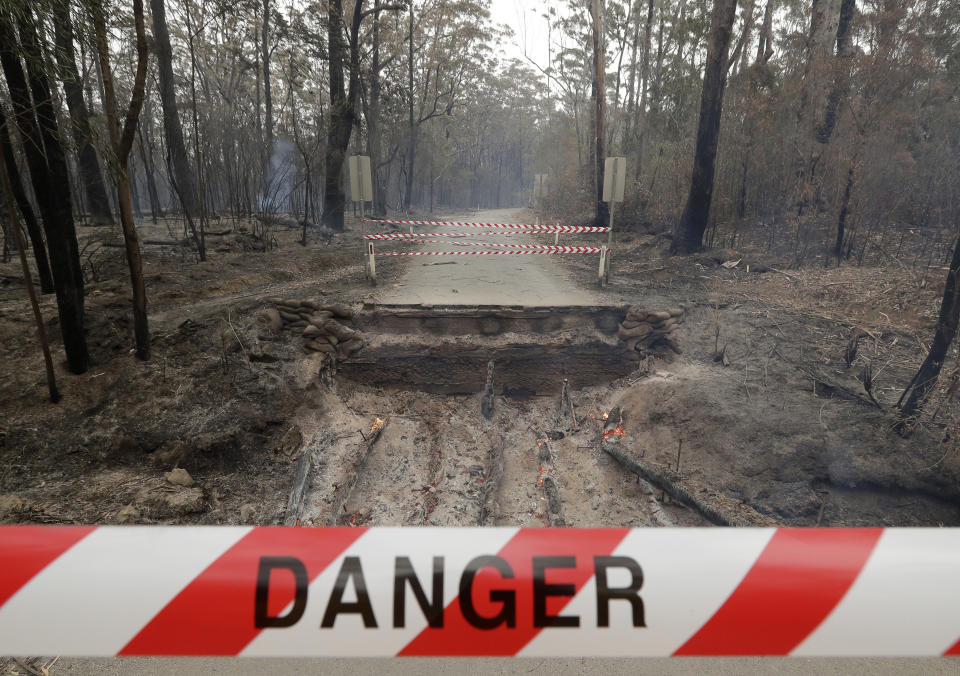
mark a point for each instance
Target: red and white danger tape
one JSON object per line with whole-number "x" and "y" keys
{"x": 509, "y": 226}
{"x": 478, "y": 591}
{"x": 422, "y": 236}
{"x": 535, "y": 249}
{"x": 506, "y": 245}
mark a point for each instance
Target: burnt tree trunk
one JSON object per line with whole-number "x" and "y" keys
{"x": 599, "y": 107}
{"x": 121, "y": 141}
{"x": 688, "y": 235}
{"x": 49, "y": 175}
{"x": 943, "y": 337}
{"x": 150, "y": 176}
{"x": 265, "y": 57}
{"x": 641, "y": 124}
{"x": 373, "y": 118}
{"x": 177, "y": 160}
{"x": 26, "y": 210}
{"x": 87, "y": 161}
{"x": 28, "y": 282}
{"x": 764, "y": 44}
{"x": 343, "y": 107}
{"x": 413, "y": 128}
{"x": 841, "y": 75}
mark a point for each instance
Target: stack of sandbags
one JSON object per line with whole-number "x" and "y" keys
{"x": 319, "y": 323}
{"x": 330, "y": 336}
{"x": 645, "y": 330}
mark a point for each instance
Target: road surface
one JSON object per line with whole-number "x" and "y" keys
{"x": 483, "y": 280}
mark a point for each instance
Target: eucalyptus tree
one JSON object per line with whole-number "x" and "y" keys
{"x": 36, "y": 120}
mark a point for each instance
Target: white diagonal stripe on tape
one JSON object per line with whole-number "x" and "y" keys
{"x": 96, "y": 596}
{"x": 906, "y": 600}
{"x": 377, "y": 549}
{"x": 688, "y": 573}
{"x": 539, "y": 250}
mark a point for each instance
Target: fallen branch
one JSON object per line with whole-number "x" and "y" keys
{"x": 665, "y": 480}
{"x": 554, "y": 503}
{"x": 827, "y": 382}
{"x": 491, "y": 481}
{"x": 341, "y": 495}
{"x": 657, "y": 515}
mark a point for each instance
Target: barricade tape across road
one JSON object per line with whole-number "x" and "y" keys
{"x": 507, "y": 245}
{"x": 420, "y": 236}
{"x": 506, "y": 226}
{"x": 478, "y": 591}
{"x": 534, "y": 249}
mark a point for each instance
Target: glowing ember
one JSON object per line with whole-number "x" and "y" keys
{"x": 605, "y": 415}
{"x": 543, "y": 470}
{"x": 378, "y": 425}
{"x": 618, "y": 431}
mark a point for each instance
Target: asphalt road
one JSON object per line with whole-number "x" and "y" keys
{"x": 483, "y": 280}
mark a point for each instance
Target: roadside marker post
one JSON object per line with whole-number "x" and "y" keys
{"x": 371, "y": 264}
{"x": 614, "y": 181}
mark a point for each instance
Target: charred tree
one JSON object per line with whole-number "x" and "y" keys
{"x": 688, "y": 235}
{"x": 87, "y": 161}
{"x": 177, "y": 160}
{"x": 599, "y": 89}
{"x": 413, "y": 127}
{"x": 342, "y": 110}
{"x": 372, "y": 117}
{"x": 121, "y": 141}
{"x": 31, "y": 294}
{"x": 37, "y": 122}
{"x": 946, "y": 330}
{"x": 343, "y": 105}
{"x": 641, "y": 123}
{"x": 841, "y": 76}
{"x": 26, "y": 210}
{"x": 265, "y": 59}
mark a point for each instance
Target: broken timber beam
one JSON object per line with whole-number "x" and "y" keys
{"x": 491, "y": 481}
{"x": 486, "y": 403}
{"x": 342, "y": 494}
{"x": 662, "y": 479}
{"x": 298, "y": 491}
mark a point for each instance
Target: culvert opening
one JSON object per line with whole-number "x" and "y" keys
{"x": 446, "y": 349}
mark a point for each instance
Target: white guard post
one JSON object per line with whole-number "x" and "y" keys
{"x": 371, "y": 264}
{"x": 614, "y": 181}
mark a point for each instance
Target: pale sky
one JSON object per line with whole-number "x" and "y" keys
{"x": 524, "y": 17}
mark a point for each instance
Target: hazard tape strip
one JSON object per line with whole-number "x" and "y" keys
{"x": 478, "y": 591}
{"x": 486, "y": 244}
{"x": 509, "y": 226}
{"x": 542, "y": 249}
{"x": 420, "y": 236}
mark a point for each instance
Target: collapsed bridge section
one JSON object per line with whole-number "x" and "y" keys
{"x": 446, "y": 349}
